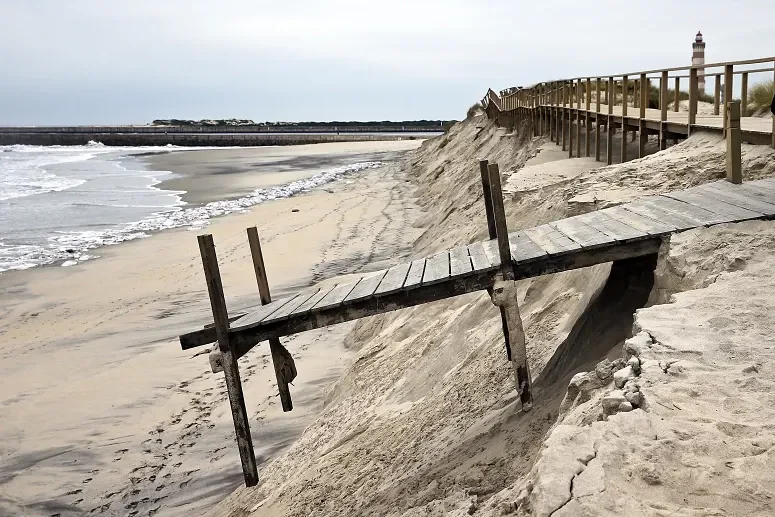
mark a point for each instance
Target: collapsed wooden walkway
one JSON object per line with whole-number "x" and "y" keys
{"x": 617, "y": 233}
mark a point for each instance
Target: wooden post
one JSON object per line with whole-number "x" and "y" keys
{"x": 609, "y": 151}
{"x": 643, "y": 137}
{"x": 284, "y": 365}
{"x": 504, "y": 295}
{"x": 744, "y": 96}
{"x": 773, "y": 116}
{"x": 717, "y": 95}
{"x": 562, "y": 113}
{"x": 677, "y": 95}
{"x": 693, "y": 97}
{"x": 597, "y": 119}
{"x": 663, "y": 109}
{"x": 587, "y": 118}
{"x": 729, "y": 80}
{"x": 625, "y": 87}
{"x": 578, "y": 118}
{"x": 487, "y": 198}
{"x": 623, "y": 147}
{"x": 229, "y": 359}
{"x": 644, "y": 95}
{"x": 734, "y": 165}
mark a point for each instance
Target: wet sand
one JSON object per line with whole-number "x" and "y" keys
{"x": 102, "y": 411}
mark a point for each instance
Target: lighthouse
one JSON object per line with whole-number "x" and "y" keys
{"x": 698, "y": 58}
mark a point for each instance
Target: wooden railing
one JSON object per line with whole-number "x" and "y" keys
{"x": 625, "y": 101}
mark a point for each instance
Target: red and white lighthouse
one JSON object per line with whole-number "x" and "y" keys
{"x": 698, "y": 58}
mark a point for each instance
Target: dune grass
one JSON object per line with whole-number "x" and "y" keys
{"x": 760, "y": 98}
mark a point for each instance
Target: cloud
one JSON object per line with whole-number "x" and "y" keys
{"x": 89, "y": 61}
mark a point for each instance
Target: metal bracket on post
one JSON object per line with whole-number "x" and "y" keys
{"x": 504, "y": 295}
{"x": 284, "y": 366}
{"x": 229, "y": 359}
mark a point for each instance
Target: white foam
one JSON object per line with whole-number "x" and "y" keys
{"x": 70, "y": 247}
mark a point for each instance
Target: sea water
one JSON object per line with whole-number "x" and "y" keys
{"x": 59, "y": 205}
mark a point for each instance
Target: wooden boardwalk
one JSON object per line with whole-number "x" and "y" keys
{"x": 617, "y": 233}
{"x": 620, "y": 232}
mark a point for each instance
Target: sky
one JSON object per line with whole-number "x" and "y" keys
{"x": 132, "y": 61}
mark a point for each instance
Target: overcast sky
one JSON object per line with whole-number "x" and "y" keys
{"x": 130, "y": 61}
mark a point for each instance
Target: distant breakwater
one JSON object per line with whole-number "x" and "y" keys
{"x": 185, "y": 136}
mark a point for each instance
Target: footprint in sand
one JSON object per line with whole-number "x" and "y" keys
{"x": 87, "y": 480}
{"x": 159, "y": 488}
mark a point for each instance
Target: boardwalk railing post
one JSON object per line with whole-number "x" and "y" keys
{"x": 588, "y": 92}
{"x": 578, "y": 118}
{"x": 734, "y": 165}
{"x": 623, "y": 147}
{"x": 284, "y": 365}
{"x": 504, "y": 295}
{"x": 677, "y": 95}
{"x": 598, "y": 118}
{"x": 728, "y": 83}
{"x": 562, "y": 113}
{"x": 693, "y": 97}
{"x": 717, "y": 95}
{"x": 229, "y": 359}
{"x": 487, "y": 198}
{"x": 611, "y": 98}
{"x": 663, "y": 110}
{"x": 642, "y": 130}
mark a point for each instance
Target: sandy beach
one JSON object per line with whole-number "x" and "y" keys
{"x": 102, "y": 411}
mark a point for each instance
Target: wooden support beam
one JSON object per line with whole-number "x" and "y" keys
{"x": 505, "y": 296}
{"x": 693, "y": 97}
{"x": 284, "y": 365}
{"x": 609, "y": 151}
{"x": 562, "y": 114}
{"x": 717, "y": 95}
{"x": 643, "y": 138}
{"x": 663, "y": 111}
{"x": 644, "y": 95}
{"x": 625, "y": 88}
{"x": 744, "y": 96}
{"x": 484, "y": 172}
{"x": 578, "y": 119}
{"x": 623, "y": 147}
{"x": 597, "y": 119}
{"x": 229, "y": 359}
{"x": 734, "y": 165}
{"x": 677, "y": 95}
{"x": 729, "y": 79}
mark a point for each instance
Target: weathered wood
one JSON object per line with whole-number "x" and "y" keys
{"x": 394, "y": 279}
{"x": 499, "y": 213}
{"x": 693, "y": 98}
{"x": 652, "y": 227}
{"x": 717, "y": 95}
{"x": 459, "y": 261}
{"x": 625, "y": 92}
{"x": 690, "y": 211}
{"x": 677, "y": 95}
{"x": 292, "y": 305}
{"x": 487, "y": 197}
{"x": 614, "y": 229}
{"x": 416, "y": 271}
{"x": 310, "y": 303}
{"x": 663, "y": 96}
{"x": 436, "y": 269}
{"x": 479, "y": 259}
{"x": 523, "y": 249}
{"x": 584, "y": 235}
{"x": 728, "y": 81}
{"x": 647, "y": 208}
{"x": 734, "y": 158}
{"x": 643, "y": 137}
{"x": 551, "y": 241}
{"x": 609, "y": 151}
{"x": 229, "y": 360}
{"x": 732, "y": 212}
{"x": 739, "y": 196}
{"x": 744, "y": 95}
{"x": 336, "y": 296}
{"x": 365, "y": 287}
{"x": 492, "y": 252}
{"x": 644, "y": 96}
{"x": 264, "y": 311}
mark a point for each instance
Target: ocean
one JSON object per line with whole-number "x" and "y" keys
{"x": 59, "y": 205}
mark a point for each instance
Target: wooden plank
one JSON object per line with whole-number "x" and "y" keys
{"x": 523, "y": 249}
{"x": 492, "y": 252}
{"x": 479, "y": 259}
{"x": 765, "y": 186}
{"x": 652, "y": 227}
{"x": 614, "y": 229}
{"x": 306, "y": 306}
{"x": 459, "y": 261}
{"x": 366, "y": 287}
{"x": 229, "y": 360}
{"x": 551, "y": 241}
{"x": 499, "y": 213}
{"x": 647, "y": 209}
{"x": 393, "y": 279}
{"x": 335, "y": 297}
{"x": 738, "y": 196}
{"x": 690, "y": 211}
{"x": 414, "y": 277}
{"x": 436, "y": 269}
{"x": 289, "y": 307}
{"x": 584, "y": 235}
{"x": 766, "y": 182}
{"x": 261, "y": 313}
{"x": 714, "y": 205}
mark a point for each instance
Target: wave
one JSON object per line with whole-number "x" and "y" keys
{"x": 71, "y": 247}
